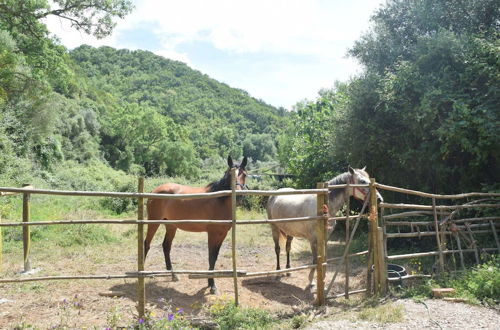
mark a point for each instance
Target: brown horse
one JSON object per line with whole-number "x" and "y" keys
{"x": 218, "y": 208}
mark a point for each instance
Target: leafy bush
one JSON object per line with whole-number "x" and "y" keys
{"x": 229, "y": 316}
{"x": 480, "y": 284}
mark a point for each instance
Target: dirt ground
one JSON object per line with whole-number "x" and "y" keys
{"x": 79, "y": 303}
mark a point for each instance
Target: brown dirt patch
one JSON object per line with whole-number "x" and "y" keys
{"x": 77, "y": 304}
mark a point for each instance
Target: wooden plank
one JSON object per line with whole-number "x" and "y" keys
{"x": 439, "y": 207}
{"x": 141, "y": 285}
{"x": 438, "y": 240}
{"x": 381, "y": 262}
{"x": 347, "y": 235}
{"x": 493, "y": 229}
{"x": 233, "y": 234}
{"x": 243, "y": 222}
{"x": 26, "y": 229}
{"x": 320, "y": 247}
{"x": 422, "y": 194}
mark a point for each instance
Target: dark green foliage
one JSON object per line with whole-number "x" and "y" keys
{"x": 133, "y": 111}
{"x": 230, "y": 316}
{"x": 424, "y": 114}
{"x": 180, "y": 105}
{"x": 480, "y": 284}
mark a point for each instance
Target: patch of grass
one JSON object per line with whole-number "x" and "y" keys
{"x": 480, "y": 284}
{"x": 387, "y": 313}
{"x": 229, "y": 316}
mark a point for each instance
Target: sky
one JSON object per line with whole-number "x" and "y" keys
{"x": 279, "y": 51}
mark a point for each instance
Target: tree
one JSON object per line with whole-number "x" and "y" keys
{"x": 93, "y": 17}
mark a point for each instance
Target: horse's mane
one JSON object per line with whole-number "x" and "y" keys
{"x": 222, "y": 184}
{"x": 342, "y": 178}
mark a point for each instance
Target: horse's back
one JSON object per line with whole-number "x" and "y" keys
{"x": 182, "y": 209}
{"x": 292, "y": 206}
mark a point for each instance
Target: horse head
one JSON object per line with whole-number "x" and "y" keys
{"x": 241, "y": 173}
{"x": 360, "y": 176}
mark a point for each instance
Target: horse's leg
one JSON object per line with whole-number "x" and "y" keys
{"x": 288, "y": 248}
{"x": 314, "y": 250}
{"x": 276, "y": 238}
{"x": 152, "y": 228}
{"x": 167, "y": 245}
{"x": 215, "y": 240}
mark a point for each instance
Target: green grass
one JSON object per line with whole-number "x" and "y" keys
{"x": 480, "y": 284}
{"x": 382, "y": 314}
{"x": 229, "y": 316}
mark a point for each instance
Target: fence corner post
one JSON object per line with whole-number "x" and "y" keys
{"x": 320, "y": 246}
{"x": 141, "y": 287}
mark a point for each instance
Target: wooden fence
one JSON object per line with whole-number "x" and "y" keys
{"x": 444, "y": 224}
{"x": 141, "y": 274}
{"x": 377, "y": 245}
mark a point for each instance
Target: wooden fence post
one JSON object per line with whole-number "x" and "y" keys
{"x": 233, "y": 234}
{"x": 26, "y": 229}
{"x": 347, "y": 238}
{"x": 381, "y": 262}
{"x": 1, "y": 244}
{"x": 320, "y": 246}
{"x": 438, "y": 240}
{"x": 376, "y": 243}
{"x": 141, "y": 287}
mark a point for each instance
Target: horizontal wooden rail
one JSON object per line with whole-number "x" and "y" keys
{"x": 9, "y": 191}
{"x": 212, "y": 273}
{"x": 412, "y": 214}
{"x": 281, "y": 271}
{"x": 221, "y": 193}
{"x": 429, "y": 233}
{"x": 297, "y": 191}
{"x": 475, "y": 219}
{"x": 351, "y": 217}
{"x": 407, "y": 277}
{"x": 64, "y": 277}
{"x": 362, "y": 253}
{"x": 127, "y": 222}
{"x": 422, "y": 194}
{"x": 438, "y": 207}
{"x": 409, "y": 223}
{"x": 477, "y": 225}
{"x": 434, "y": 253}
{"x": 343, "y": 294}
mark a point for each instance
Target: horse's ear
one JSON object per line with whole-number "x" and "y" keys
{"x": 351, "y": 170}
{"x": 363, "y": 169}
{"x": 229, "y": 161}
{"x": 244, "y": 162}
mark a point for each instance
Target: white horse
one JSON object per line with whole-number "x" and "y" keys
{"x": 294, "y": 206}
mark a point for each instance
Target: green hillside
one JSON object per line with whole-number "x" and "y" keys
{"x": 177, "y": 115}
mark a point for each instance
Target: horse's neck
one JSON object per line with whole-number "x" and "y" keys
{"x": 337, "y": 202}
{"x": 338, "y": 195}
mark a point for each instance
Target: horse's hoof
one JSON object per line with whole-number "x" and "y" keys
{"x": 311, "y": 287}
{"x": 288, "y": 274}
{"x": 213, "y": 290}
{"x": 175, "y": 278}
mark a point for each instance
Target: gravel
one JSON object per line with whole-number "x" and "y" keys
{"x": 429, "y": 314}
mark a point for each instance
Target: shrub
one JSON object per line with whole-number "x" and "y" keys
{"x": 229, "y": 316}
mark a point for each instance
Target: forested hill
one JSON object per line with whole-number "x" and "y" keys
{"x": 160, "y": 112}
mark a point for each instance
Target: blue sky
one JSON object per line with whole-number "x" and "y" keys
{"x": 279, "y": 51}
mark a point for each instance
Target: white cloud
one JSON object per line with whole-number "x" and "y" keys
{"x": 319, "y": 31}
